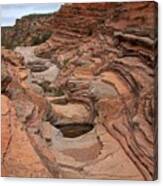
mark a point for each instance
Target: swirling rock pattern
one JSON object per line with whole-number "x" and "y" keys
{"x": 83, "y": 104}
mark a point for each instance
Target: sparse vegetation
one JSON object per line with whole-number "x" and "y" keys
{"x": 52, "y": 91}
{"x": 27, "y": 31}
{"x": 41, "y": 38}
{"x": 59, "y": 92}
{"x": 65, "y": 62}
{"x": 34, "y": 16}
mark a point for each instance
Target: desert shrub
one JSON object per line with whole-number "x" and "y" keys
{"x": 52, "y": 91}
{"x": 65, "y": 62}
{"x": 58, "y": 92}
{"x": 41, "y": 38}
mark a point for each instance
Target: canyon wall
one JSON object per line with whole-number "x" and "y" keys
{"x": 81, "y": 102}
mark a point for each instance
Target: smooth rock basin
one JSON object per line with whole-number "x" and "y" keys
{"x": 74, "y": 130}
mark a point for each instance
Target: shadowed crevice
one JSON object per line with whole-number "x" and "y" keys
{"x": 73, "y": 130}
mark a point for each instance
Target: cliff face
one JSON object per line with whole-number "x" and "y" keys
{"x": 83, "y": 100}
{"x": 29, "y": 30}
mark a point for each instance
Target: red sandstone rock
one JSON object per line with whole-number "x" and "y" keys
{"x": 96, "y": 117}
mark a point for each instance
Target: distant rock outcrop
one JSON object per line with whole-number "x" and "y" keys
{"x": 27, "y": 31}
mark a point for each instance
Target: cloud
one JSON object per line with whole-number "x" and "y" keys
{"x": 9, "y": 13}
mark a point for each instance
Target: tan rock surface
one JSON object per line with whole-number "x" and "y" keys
{"x": 71, "y": 113}
{"x": 18, "y": 156}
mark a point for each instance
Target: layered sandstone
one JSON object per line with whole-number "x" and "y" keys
{"x": 83, "y": 104}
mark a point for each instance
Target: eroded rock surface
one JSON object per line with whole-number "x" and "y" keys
{"x": 83, "y": 104}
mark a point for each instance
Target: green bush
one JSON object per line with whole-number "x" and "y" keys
{"x": 41, "y": 38}
{"x": 65, "y": 62}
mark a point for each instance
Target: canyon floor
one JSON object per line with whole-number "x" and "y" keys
{"x": 81, "y": 102}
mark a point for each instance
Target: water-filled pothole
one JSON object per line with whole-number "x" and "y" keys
{"x": 73, "y": 130}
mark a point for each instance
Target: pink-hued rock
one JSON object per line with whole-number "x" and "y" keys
{"x": 83, "y": 103}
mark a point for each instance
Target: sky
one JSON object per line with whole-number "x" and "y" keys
{"x": 10, "y": 12}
